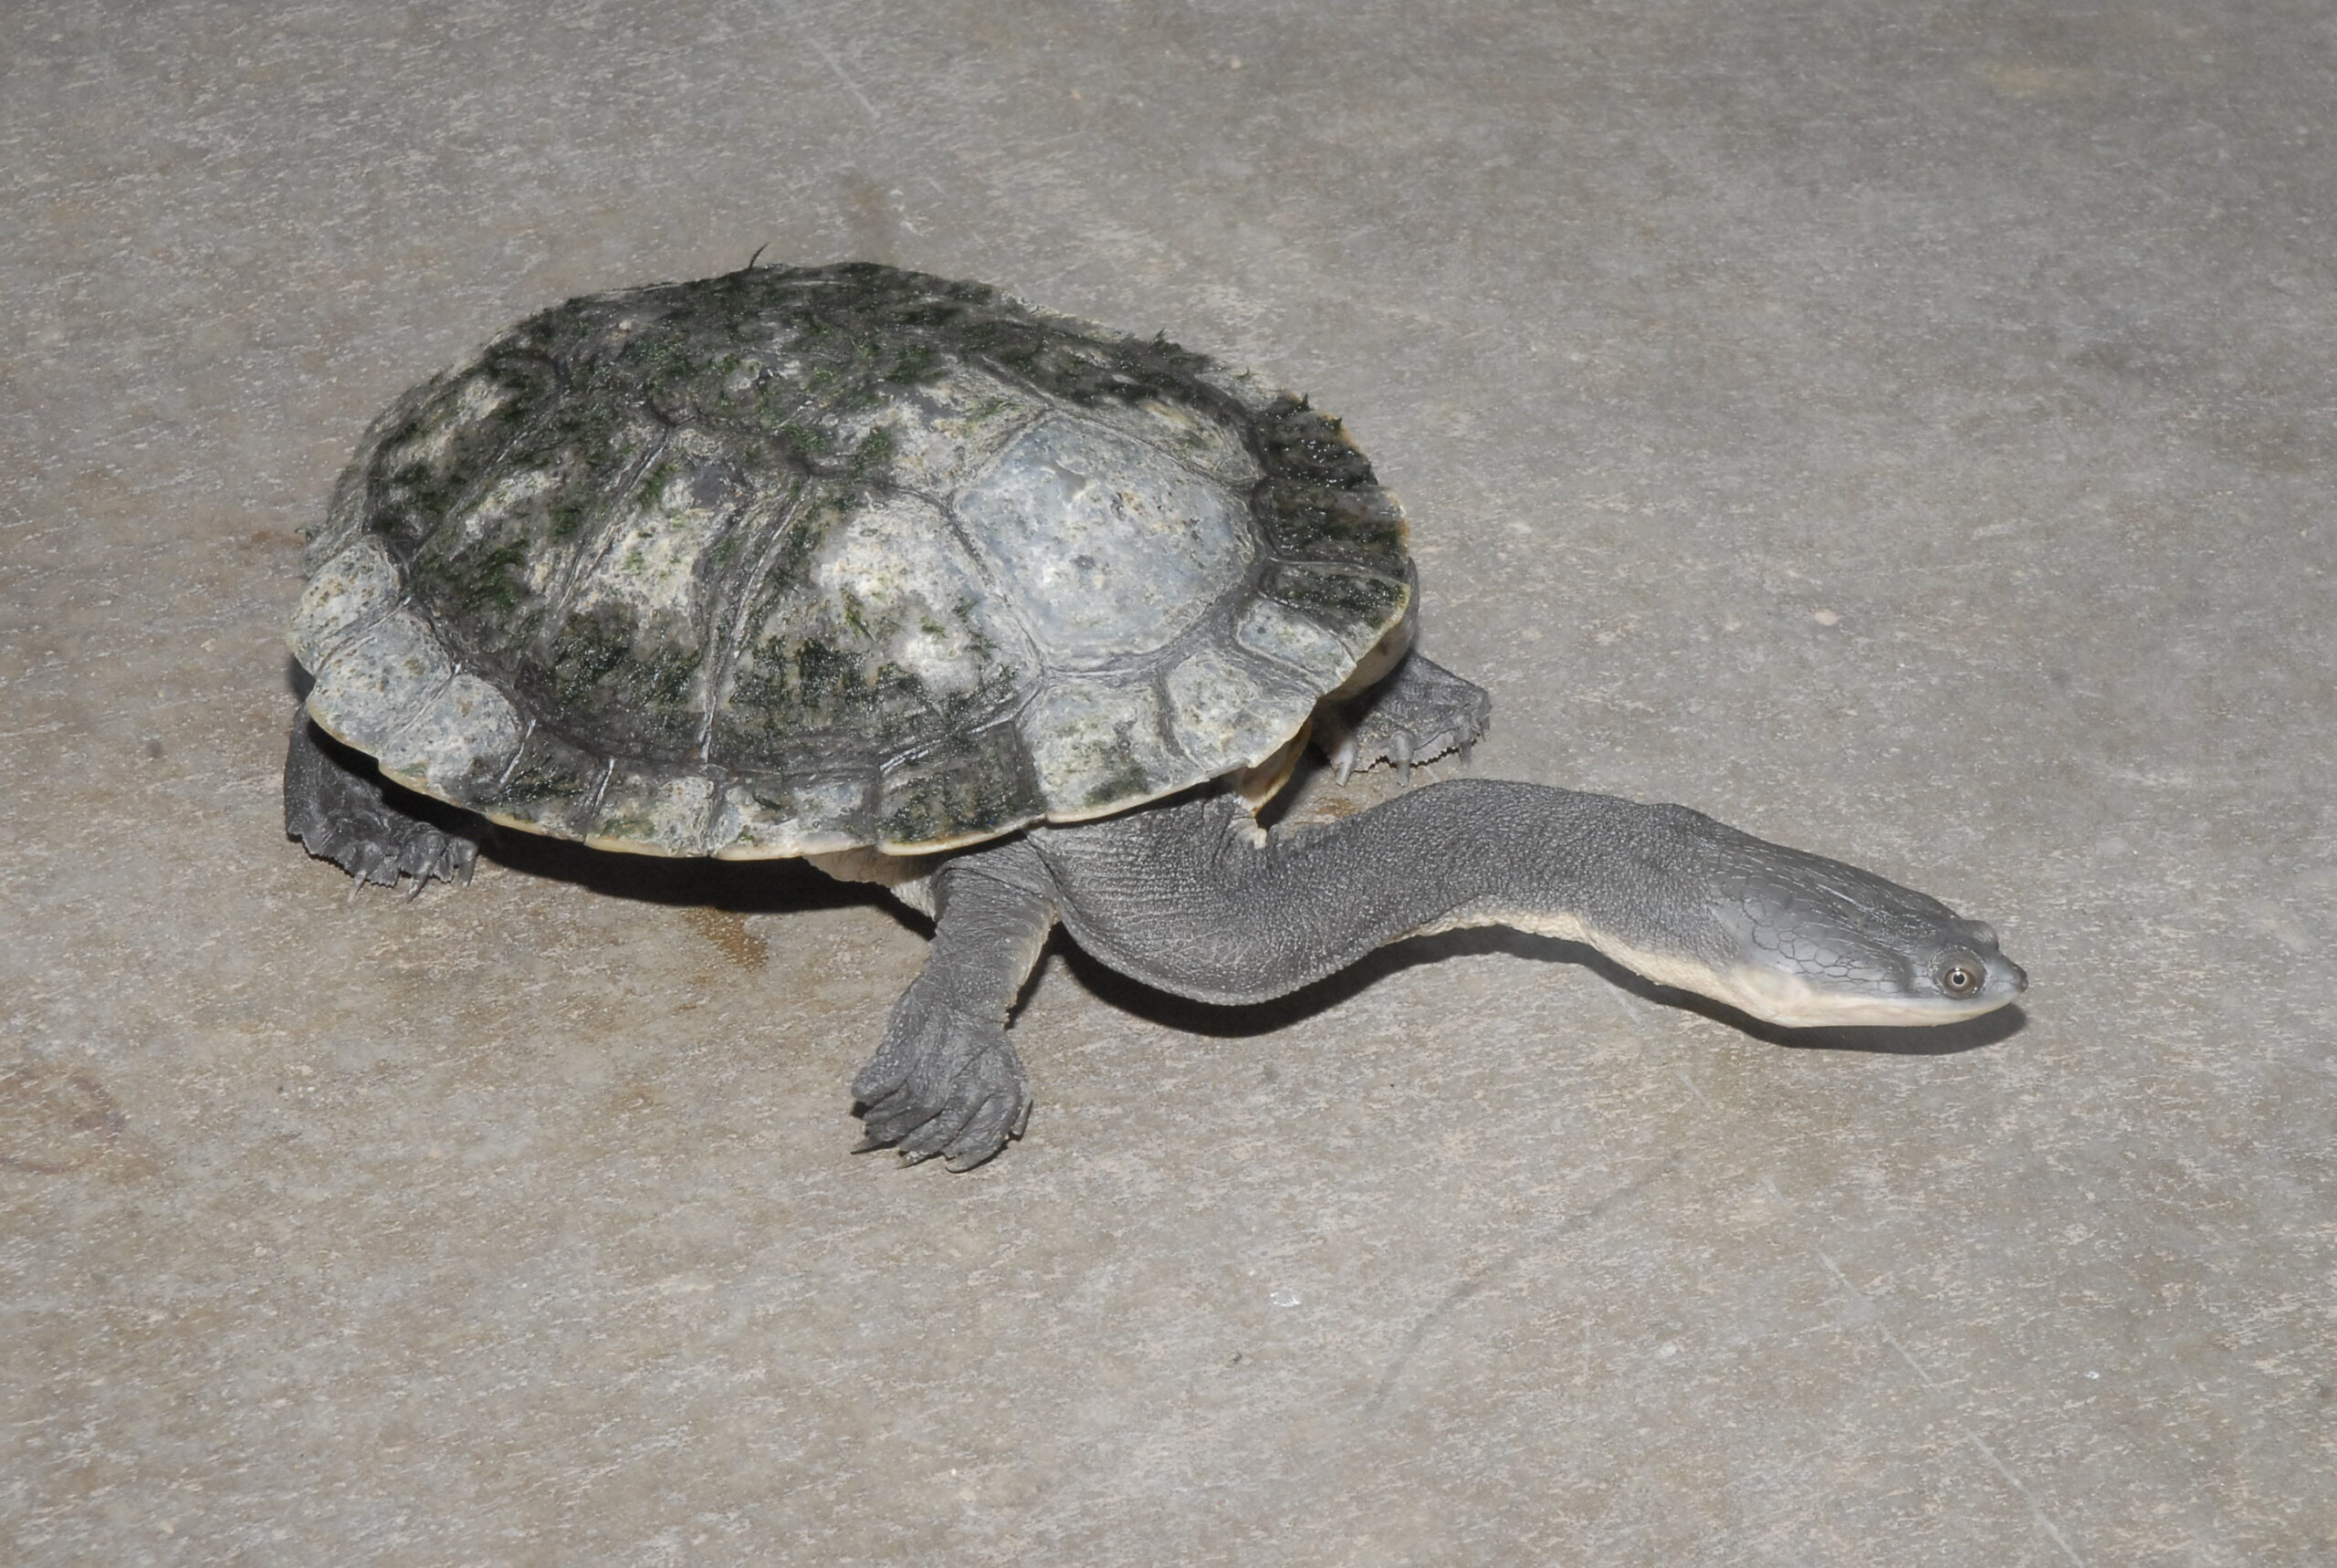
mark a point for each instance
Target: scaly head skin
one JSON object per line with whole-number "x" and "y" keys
{"x": 1789, "y": 937}
{"x": 1818, "y": 942}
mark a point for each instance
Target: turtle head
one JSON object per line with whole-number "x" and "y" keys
{"x": 1803, "y": 941}
{"x": 1790, "y": 937}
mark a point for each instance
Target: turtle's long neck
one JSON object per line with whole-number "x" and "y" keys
{"x": 1185, "y": 896}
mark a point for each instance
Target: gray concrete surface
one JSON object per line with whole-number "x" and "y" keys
{"x": 1900, "y": 429}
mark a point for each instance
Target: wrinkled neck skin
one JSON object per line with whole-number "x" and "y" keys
{"x": 1191, "y": 897}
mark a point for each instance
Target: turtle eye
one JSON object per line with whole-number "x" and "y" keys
{"x": 1960, "y": 974}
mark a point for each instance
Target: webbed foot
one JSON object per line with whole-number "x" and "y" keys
{"x": 943, "y": 1082}
{"x": 1421, "y": 711}
{"x": 343, "y": 810}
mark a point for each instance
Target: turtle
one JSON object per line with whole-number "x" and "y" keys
{"x": 1020, "y": 617}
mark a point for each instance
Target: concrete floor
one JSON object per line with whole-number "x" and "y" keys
{"x": 1901, "y": 430}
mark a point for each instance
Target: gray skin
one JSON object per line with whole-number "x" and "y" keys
{"x": 1190, "y": 895}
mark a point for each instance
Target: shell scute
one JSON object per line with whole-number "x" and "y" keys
{"x": 885, "y": 633}
{"x": 423, "y": 466}
{"x": 1224, "y": 705}
{"x": 1096, "y": 740}
{"x": 1105, "y": 549}
{"x": 970, "y": 786}
{"x": 349, "y": 592}
{"x": 459, "y": 744}
{"x": 379, "y": 680}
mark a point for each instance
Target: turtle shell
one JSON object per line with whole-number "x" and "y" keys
{"x": 794, "y": 561}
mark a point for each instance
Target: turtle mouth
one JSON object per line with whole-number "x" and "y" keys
{"x": 1792, "y": 1002}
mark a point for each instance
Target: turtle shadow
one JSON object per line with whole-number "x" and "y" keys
{"x": 791, "y": 887}
{"x": 740, "y": 887}
{"x": 1248, "y": 1020}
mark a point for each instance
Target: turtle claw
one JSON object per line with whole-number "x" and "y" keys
{"x": 1420, "y": 711}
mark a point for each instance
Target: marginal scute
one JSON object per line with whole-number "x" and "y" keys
{"x": 1242, "y": 388}
{"x": 646, "y": 812}
{"x": 1277, "y": 632}
{"x": 799, "y": 561}
{"x": 765, "y": 820}
{"x": 354, "y": 589}
{"x": 1234, "y": 707}
{"x": 550, "y": 787}
{"x": 458, "y": 745}
{"x": 1359, "y": 608}
{"x": 379, "y": 681}
{"x": 1095, "y": 742}
{"x": 748, "y": 823}
{"x": 967, "y": 788}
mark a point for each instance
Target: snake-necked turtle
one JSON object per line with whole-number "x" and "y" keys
{"x": 1017, "y": 615}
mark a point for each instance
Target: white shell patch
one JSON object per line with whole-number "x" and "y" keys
{"x": 478, "y": 396}
{"x": 649, "y": 563}
{"x": 898, "y": 572}
{"x": 509, "y": 493}
{"x": 1228, "y": 715}
{"x": 460, "y": 743}
{"x": 1106, "y": 549}
{"x": 355, "y": 587}
{"x": 945, "y": 432}
{"x": 1183, "y": 432}
{"x": 748, "y": 827}
{"x": 367, "y": 690}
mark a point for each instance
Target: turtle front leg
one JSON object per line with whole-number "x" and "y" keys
{"x": 1420, "y": 710}
{"x": 946, "y": 1082}
{"x": 341, "y": 811}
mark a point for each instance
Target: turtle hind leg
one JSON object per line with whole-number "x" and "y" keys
{"x": 342, "y": 810}
{"x": 1420, "y": 710}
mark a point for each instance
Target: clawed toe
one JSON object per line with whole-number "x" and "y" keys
{"x": 1417, "y": 713}
{"x": 340, "y": 810}
{"x": 945, "y": 1085}
{"x": 889, "y": 1123}
{"x": 960, "y": 1136}
{"x": 417, "y": 857}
